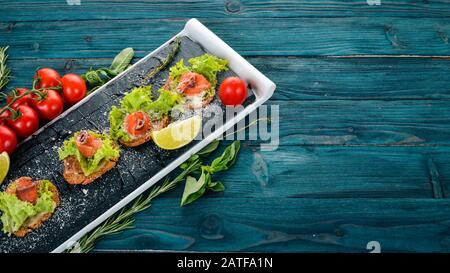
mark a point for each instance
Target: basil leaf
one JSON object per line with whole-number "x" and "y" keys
{"x": 194, "y": 189}
{"x": 227, "y": 159}
{"x": 189, "y": 162}
{"x": 92, "y": 78}
{"x": 208, "y": 149}
{"x": 216, "y": 186}
{"x": 122, "y": 60}
{"x": 107, "y": 73}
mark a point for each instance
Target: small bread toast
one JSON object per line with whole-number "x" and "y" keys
{"x": 74, "y": 174}
{"x": 203, "y": 101}
{"x": 148, "y": 136}
{"x": 36, "y": 221}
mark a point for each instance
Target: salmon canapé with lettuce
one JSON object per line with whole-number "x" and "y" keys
{"x": 27, "y": 204}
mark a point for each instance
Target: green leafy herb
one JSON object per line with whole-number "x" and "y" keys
{"x": 166, "y": 61}
{"x": 122, "y": 60}
{"x": 211, "y": 147}
{"x": 195, "y": 188}
{"x": 98, "y": 77}
{"x": 5, "y": 72}
{"x": 205, "y": 152}
{"x": 125, "y": 218}
{"x": 206, "y": 64}
{"x": 226, "y": 160}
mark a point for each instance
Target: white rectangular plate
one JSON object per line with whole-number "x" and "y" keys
{"x": 262, "y": 88}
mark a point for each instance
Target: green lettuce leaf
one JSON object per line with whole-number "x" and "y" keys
{"x": 208, "y": 65}
{"x": 116, "y": 117}
{"x": 106, "y": 152}
{"x": 45, "y": 202}
{"x": 16, "y": 212}
{"x": 178, "y": 70}
{"x": 164, "y": 104}
{"x": 140, "y": 98}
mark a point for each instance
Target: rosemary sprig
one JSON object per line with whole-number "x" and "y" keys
{"x": 166, "y": 61}
{"x": 125, "y": 218}
{"x": 5, "y": 72}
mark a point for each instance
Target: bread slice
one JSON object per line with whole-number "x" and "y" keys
{"x": 36, "y": 221}
{"x": 74, "y": 174}
{"x": 148, "y": 136}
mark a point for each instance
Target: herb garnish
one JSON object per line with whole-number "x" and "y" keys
{"x": 98, "y": 77}
{"x": 195, "y": 188}
{"x": 166, "y": 61}
{"x": 125, "y": 218}
{"x": 5, "y": 72}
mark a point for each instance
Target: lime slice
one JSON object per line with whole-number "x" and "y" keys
{"x": 177, "y": 134}
{"x": 4, "y": 166}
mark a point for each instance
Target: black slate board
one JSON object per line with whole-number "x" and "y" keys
{"x": 38, "y": 157}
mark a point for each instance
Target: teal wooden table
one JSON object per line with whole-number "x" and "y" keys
{"x": 364, "y": 97}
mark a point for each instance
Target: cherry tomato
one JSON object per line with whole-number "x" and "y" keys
{"x": 4, "y": 116}
{"x": 137, "y": 124}
{"x": 50, "y": 107}
{"x": 22, "y": 101}
{"x": 233, "y": 91}
{"x": 74, "y": 88}
{"x": 48, "y": 77}
{"x": 8, "y": 140}
{"x": 87, "y": 144}
{"x": 26, "y": 124}
{"x": 192, "y": 84}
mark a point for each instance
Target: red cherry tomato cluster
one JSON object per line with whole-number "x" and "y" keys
{"x": 46, "y": 101}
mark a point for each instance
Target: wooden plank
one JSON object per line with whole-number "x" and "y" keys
{"x": 336, "y": 173}
{"x": 372, "y": 122}
{"x": 288, "y": 36}
{"x": 289, "y": 225}
{"x": 309, "y": 78}
{"x": 28, "y": 10}
{"x": 356, "y": 78}
{"x": 336, "y": 122}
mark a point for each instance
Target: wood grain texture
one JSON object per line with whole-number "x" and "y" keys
{"x": 364, "y": 118}
{"x": 309, "y": 78}
{"x": 336, "y": 173}
{"x": 289, "y": 225}
{"x": 27, "y": 10}
{"x": 288, "y": 36}
{"x": 364, "y": 122}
